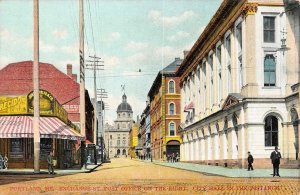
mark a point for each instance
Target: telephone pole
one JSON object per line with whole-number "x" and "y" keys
{"x": 82, "y": 81}
{"x": 36, "y": 94}
{"x": 101, "y": 93}
{"x": 95, "y": 67}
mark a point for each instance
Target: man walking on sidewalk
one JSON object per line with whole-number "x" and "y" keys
{"x": 50, "y": 163}
{"x": 250, "y": 162}
{"x": 275, "y": 157}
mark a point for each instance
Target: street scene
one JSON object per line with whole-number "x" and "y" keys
{"x": 149, "y": 97}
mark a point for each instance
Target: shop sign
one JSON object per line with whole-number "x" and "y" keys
{"x": 60, "y": 112}
{"x": 46, "y": 103}
{"x": 13, "y": 105}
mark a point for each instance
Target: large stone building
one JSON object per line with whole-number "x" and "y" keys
{"x": 117, "y": 135}
{"x": 164, "y": 97}
{"x": 236, "y": 85}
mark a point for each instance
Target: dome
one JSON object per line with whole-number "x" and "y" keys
{"x": 124, "y": 106}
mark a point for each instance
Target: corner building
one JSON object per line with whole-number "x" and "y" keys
{"x": 164, "y": 98}
{"x": 240, "y": 86}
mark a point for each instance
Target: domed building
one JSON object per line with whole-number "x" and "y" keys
{"x": 117, "y": 136}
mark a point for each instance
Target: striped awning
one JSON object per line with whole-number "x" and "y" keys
{"x": 22, "y": 127}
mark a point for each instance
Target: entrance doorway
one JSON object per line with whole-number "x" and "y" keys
{"x": 173, "y": 146}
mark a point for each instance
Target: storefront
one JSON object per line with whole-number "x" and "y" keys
{"x": 57, "y": 133}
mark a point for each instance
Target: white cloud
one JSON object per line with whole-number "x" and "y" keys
{"x": 5, "y": 34}
{"x": 60, "y": 34}
{"x": 4, "y": 61}
{"x": 110, "y": 62}
{"x": 112, "y": 37}
{"x": 45, "y": 47}
{"x": 170, "y": 21}
{"x": 70, "y": 49}
{"x": 201, "y": 29}
{"x": 136, "y": 45}
{"x": 178, "y": 36}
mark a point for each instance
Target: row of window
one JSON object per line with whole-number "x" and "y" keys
{"x": 270, "y": 129}
{"x": 192, "y": 89}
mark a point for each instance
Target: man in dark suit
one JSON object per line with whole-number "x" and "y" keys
{"x": 275, "y": 157}
{"x": 250, "y": 161}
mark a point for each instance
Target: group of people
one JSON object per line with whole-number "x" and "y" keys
{"x": 173, "y": 157}
{"x": 3, "y": 162}
{"x": 275, "y": 158}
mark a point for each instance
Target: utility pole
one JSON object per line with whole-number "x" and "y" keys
{"x": 101, "y": 93}
{"x": 82, "y": 81}
{"x": 36, "y": 94}
{"x": 94, "y": 67}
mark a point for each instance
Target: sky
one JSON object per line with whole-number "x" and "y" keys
{"x": 128, "y": 35}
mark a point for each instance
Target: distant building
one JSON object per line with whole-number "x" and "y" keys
{"x": 134, "y": 149}
{"x": 164, "y": 97}
{"x": 236, "y": 85}
{"x": 145, "y": 133}
{"x": 117, "y": 135}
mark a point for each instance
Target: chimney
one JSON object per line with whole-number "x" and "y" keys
{"x": 185, "y": 53}
{"x": 74, "y": 77}
{"x": 69, "y": 70}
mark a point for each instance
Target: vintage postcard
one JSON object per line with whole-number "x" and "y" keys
{"x": 149, "y": 97}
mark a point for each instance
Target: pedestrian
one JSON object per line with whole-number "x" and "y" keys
{"x": 5, "y": 162}
{"x": 250, "y": 162}
{"x": 173, "y": 157}
{"x": 50, "y": 163}
{"x": 275, "y": 157}
{"x": 177, "y": 157}
{"x": 168, "y": 157}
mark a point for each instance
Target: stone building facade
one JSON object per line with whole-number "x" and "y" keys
{"x": 117, "y": 135}
{"x": 236, "y": 86}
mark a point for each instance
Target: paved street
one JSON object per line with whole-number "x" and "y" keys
{"x": 125, "y": 176}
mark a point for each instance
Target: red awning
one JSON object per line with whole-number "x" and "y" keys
{"x": 22, "y": 127}
{"x": 88, "y": 142}
{"x": 189, "y": 106}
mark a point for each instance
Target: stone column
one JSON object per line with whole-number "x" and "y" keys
{"x": 249, "y": 51}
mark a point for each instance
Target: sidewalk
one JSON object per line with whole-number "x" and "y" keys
{"x": 89, "y": 169}
{"x": 230, "y": 172}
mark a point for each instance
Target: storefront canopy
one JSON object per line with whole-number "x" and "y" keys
{"x": 22, "y": 127}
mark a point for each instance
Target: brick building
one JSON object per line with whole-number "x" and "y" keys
{"x": 165, "y": 112}
{"x": 16, "y": 80}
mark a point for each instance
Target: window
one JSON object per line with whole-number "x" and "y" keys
{"x": 219, "y": 54}
{"x": 118, "y": 142}
{"x": 271, "y": 131}
{"x": 210, "y": 61}
{"x": 171, "y": 109}
{"x": 124, "y": 142}
{"x": 269, "y": 29}
{"x": 171, "y": 87}
{"x": 110, "y": 136}
{"x": 269, "y": 70}
{"x": 238, "y": 33}
{"x": 228, "y": 62}
{"x": 172, "y": 129}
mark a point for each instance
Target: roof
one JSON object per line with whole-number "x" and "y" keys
{"x": 19, "y": 75}
{"x": 124, "y": 106}
{"x": 169, "y": 70}
{"x": 221, "y": 14}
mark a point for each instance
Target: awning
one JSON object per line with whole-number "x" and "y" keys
{"x": 22, "y": 127}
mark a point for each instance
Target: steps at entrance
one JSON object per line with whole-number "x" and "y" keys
{"x": 291, "y": 164}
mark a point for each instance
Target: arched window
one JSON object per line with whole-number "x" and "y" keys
{"x": 271, "y": 131}
{"x": 171, "y": 87}
{"x": 172, "y": 129}
{"x": 171, "y": 109}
